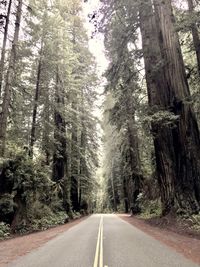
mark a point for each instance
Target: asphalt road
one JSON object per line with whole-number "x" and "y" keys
{"x": 103, "y": 241}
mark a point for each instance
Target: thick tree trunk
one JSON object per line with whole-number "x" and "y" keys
{"x": 177, "y": 149}
{"x": 35, "y": 107}
{"x": 195, "y": 34}
{"x": 9, "y": 80}
{"x": 186, "y": 134}
{"x": 158, "y": 95}
{"x": 3, "y": 51}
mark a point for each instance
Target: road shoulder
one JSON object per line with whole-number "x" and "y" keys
{"x": 187, "y": 246}
{"x": 12, "y": 248}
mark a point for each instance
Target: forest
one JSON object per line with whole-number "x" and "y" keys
{"x": 66, "y": 149}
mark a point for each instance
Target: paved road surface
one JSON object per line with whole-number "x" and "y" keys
{"x": 103, "y": 241}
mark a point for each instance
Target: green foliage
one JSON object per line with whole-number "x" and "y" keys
{"x": 192, "y": 221}
{"x": 162, "y": 118}
{"x": 150, "y": 208}
{"x": 4, "y": 230}
{"x": 45, "y": 222}
{"x": 48, "y": 221}
{"x": 7, "y": 204}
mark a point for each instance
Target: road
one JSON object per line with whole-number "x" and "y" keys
{"x": 103, "y": 241}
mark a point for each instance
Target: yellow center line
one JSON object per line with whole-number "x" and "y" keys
{"x": 98, "y": 245}
{"x": 98, "y": 260}
{"x": 101, "y": 246}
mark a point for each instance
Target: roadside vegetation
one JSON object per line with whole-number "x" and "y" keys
{"x": 48, "y": 136}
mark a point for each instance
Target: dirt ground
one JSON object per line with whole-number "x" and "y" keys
{"x": 174, "y": 236}
{"x": 18, "y": 246}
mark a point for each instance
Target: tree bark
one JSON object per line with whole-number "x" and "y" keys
{"x": 60, "y": 143}
{"x": 159, "y": 99}
{"x": 177, "y": 148}
{"x": 35, "y": 106}
{"x": 3, "y": 51}
{"x": 82, "y": 167}
{"x": 9, "y": 80}
{"x": 75, "y": 158}
{"x": 186, "y": 137}
{"x": 195, "y": 34}
{"x": 46, "y": 127}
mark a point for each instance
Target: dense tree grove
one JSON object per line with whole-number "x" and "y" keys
{"x": 48, "y": 141}
{"x": 153, "y": 80}
{"x": 49, "y": 130}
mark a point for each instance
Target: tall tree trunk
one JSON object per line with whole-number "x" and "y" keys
{"x": 132, "y": 132}
{"x": 186, "y": 134}
{"x": 60, "y": 160}
{"x": 9, "y": 81}
{"x": 75, "y": 155}
{"x": 35, "y": 106}
{"x": 82, "y": 168}
{"x": 60, "y": 143}
{"x": 113, "y": 187}
{"x": 195, "y": 34}
{"x": 158, "y": 95}
{"x": 46, "y": 125}
{"x": 177, "y": 149}
{"x": 3, "y": 51}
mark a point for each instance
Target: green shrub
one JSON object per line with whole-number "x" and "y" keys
{"x": 4, "y": 230}
{"x": 150, "y": 208}
{"x": 193, "y": 221}
{"x": 49, "y": 221}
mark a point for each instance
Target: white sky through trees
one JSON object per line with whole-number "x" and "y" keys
{"x": 96, "y": 44}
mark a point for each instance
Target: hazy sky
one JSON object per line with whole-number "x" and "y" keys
{"x": 96, "y": 44}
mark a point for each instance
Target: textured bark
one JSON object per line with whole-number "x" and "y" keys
{"x": 60, "y": 143}
{"x": 186, "y": 134}
{"x": 159, "y": 99}
{"x": 35, "y": 107}
{"x": 20, "y": 216}
{"x": 135, "y": 183}
{"x": 3, "y": 51}
{"x": 9, "y": 80}
{"x": 195, "y": 34}
{"x": 177, "y": 149}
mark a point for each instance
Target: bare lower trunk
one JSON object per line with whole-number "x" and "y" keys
{"x": 9, "y": 81}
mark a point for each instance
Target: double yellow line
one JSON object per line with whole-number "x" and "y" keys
{"x": 98, "y": 260}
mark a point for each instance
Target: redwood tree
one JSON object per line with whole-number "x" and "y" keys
{"x": 177, "y": 148}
